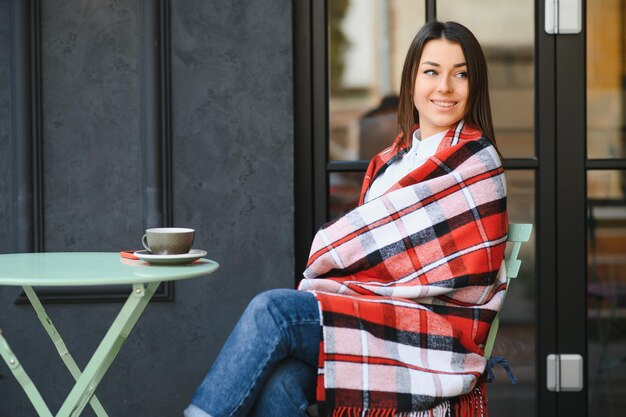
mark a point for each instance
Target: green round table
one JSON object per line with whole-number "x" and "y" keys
{"x": 91, "y": 268}
{"x": 29, "y": 270}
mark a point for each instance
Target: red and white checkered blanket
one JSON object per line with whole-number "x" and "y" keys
{"x": 409, "y": 283}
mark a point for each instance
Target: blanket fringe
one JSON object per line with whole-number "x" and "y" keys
{"x": 441, "y": 410}
{"x": 473, "y": 404}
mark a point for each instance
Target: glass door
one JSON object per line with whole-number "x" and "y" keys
{"x": 606, "y": 207}
{"x": 559, "y": 109}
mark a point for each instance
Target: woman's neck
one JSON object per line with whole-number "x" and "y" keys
{"x": 431, "y": 131}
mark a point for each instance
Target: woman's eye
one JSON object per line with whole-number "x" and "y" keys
{"x": 430, "y": 72}
{"x": 462, "y": 74}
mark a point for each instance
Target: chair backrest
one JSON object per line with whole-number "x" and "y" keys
{"x": 518, "y": 234}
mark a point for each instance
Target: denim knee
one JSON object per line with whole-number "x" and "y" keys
{"x": 265, "y": 307}
{"x": 277, "y": 311}
{"x": 268, "y": 298}
{"x": 283, "y": 304}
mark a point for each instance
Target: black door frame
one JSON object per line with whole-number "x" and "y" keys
{"x": 545, "y": 230}
{"x": 570, "y": 208}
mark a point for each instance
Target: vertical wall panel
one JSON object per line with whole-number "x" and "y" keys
{"x": 92, "y": 159}
{"x": 6, "y": 166}
{"x": 232, "y": 94}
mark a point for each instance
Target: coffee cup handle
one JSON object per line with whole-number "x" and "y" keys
{"x": 144, "y": 242}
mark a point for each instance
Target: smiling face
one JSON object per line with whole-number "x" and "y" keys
{"x": 441, "y": 87}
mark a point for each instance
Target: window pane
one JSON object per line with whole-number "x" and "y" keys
{"x": 606, "y": 292}
{"x": 511, "y": 61}
{"x": 345, "y": 188}
{"x": 516, "y": 335}
{"x": 606, "y": 75}
{"x": 368, "y": 41}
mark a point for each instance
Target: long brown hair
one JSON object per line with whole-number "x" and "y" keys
{"x": 478, "y": 112}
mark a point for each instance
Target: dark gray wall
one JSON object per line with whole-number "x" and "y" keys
{"x": 232, "y": 176}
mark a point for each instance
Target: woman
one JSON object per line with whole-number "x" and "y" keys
{"x": 398, "y": 294}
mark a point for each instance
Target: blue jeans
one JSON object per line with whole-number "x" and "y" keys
{"x": 268, "y": 365}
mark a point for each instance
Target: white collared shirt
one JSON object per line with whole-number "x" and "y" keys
{"x": 420, "y": 151}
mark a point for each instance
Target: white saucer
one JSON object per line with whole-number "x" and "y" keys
{"x": 181, "y": 259}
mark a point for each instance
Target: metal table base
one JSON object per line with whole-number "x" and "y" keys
{"x": 88, "y": 380}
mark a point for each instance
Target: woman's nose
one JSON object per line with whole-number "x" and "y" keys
{"x": 445, "y": 86}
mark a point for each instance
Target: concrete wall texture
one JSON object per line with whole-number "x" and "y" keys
{"x": 232, "y": 176}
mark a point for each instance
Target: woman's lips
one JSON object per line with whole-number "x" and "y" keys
{"x": 444, "y": 104}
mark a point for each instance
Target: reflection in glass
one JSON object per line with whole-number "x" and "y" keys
{"x": 606, "y": 78}
{"x": 345, "y": 188}
{"x": 516, "y": 335}
{"x": 368, "y": 40}
{"x": 510, "y": 59}
{"x": 606, "y": 293}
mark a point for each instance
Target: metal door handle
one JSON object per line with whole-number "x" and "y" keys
{"x": 563, "y": 17}
{"x": 564, "y": 372}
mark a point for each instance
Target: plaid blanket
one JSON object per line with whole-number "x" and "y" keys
{"x": 409, "y": 283}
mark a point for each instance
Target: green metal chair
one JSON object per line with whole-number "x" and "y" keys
{"x": 518, "y": 234}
